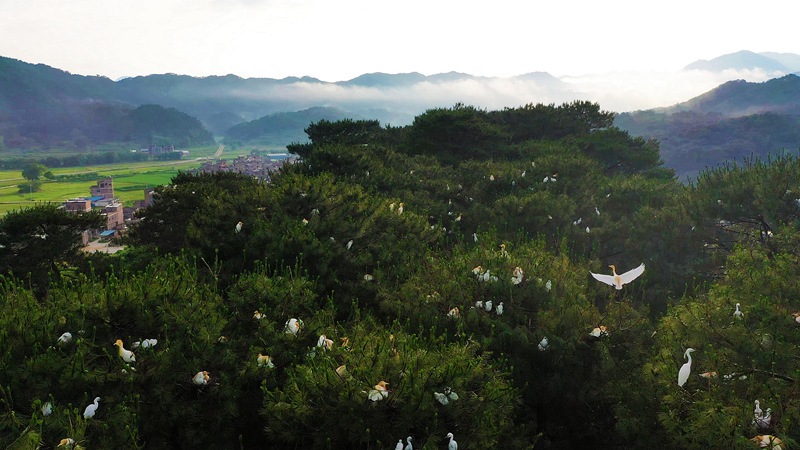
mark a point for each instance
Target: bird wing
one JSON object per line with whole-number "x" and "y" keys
{"x": 632, "y": 274}
{"x": 607, "y": 279}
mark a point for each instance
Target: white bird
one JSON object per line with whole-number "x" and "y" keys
{"x": 349, "y": 244}
{"x": 479, "y": 304}
{"x": 599, "y": 331}
{"x": 619, "y": 280}
{"x": 441, "y": 398}
{"x": 453, "y": 445}
{"x": 292, "y": 326}
{"x": 578, "y": 222}
{"x": 88, "y": 413}
{"x": 757, "y": 413}
{"x": 65, "y": 338}
{"x": 258, "y": 316}
{"x": 488, "y": 305}
{"x": 324, "y": 342}
{"x": 587, "y": 229}
{"x": 475, "y": 237}
{"x": 399, "y": 445}
{"x": 409, "y": 446}
{"x": 66, "y": 442}
{"x": 686, "y": 369}
{"x": 455, "y": 313}
{"x": 239, "y": 227}
{"x": 738, "y": 313}
{"x": 400, "y": 209}
{"x": 543, "y": 344}
{"x": 379, "y": 392}
{"x": 548, "y": 285}
{"x": 499, "y": 309}
{"x": 368, "y": 277}
{"x": 47, "y": 409}
{"x": 491, "y": 177}
{"x": 201, "y": 378}
{"x": 145, "y": 343}
{"x": 126, "y": 355}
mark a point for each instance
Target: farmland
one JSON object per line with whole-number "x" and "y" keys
{"x": 130, "y": 179}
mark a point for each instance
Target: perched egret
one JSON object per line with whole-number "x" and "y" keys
{"x": 475, "y": 237}
{"x": 479, "y": 304}
{"x": 453, "y": 445}
{"x": 400, "y": 209}
{"x": 738, "y": 314}
{"x": 379, "y": 392}
{"x": 458, "y": 219}
{"x": 587, "y": 229}
{"x": 757, "y": 413}
{"x": 90, "y": 410}
{"x": 578, "y": 222}
{"x": 47, "y": 409}
{"x": 523, "y": 174}
{"x": 441, "y": 398}
{"x": 258, "y": 316}
{"x": 686, "y": 369}
{"x": 292, "y": 326}
{"x": 349, "y": 244}
{"x": 399, "y": 445}
{"x": 201, "y": 378}
{"x": 619, "y": 280}
{"x": 548, "y": 285}
{"x": 488, "y": 305}
{"x": 65, "y": 338}
{"x": 239, "y": 227}
{"x": 491, "y": 177}
{"x": 543, "y": 344}
{"x": 265, "y": 360}
{"x": 391, "y": 207}
{"x": 599, "y": 331}
{"x": 408, "y": 445}
{"x": 368, "y": 277}
{"x": 126, "y": 355}
{"x": 597, "y": 210}
{"x": 768, "y": 441}
{"x": 478, "y": 269}
{"x": 518, "y": 276}
{"x": 324, "y": 342}
{"x": 454, "y": 313}
{"x": 65, "y": 442}
{"x": 796, "y": 317}
{"x": 499, "y": 309}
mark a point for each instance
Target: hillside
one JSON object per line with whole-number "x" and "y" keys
{"x": 403, "y": 283}
{"x": 281, "y": 129}
{"x": 734, "y": 121}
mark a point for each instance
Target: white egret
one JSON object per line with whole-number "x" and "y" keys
{"x": 453, "y": 445}
{"x": 599, "y": 331}
{"x": 324, "y": 342}
{"x": 47, "y": 409}
{"x": 488, "y": 305}
{"x": 518, "y": 276}
{"x": 400, "y": 209}
{"x": 578, "y": 222}
{"x": 441, "y": 398}
{"x": 454, "y": 313}
{"x": 757, "y": 413}
{"x": 475, "y": 237}
{"x": 768, "y": 441}
{"x": 265, "y": 360}
{"x": 619, "y": 280}
{"x": 491, "y": 177}
{"x": 65, "y": 338}
{"x": 292, "y": 326}
{"x": 399, "y": 445}
{"x": 145, "y": 343}
{"x": 201, "y": 378}
{"x": 65, "y": 442}
{"x": 409, "y": 446}
{"x": 499, "y": 309}
{"x": 379, "y": 392}
{"x": 796, "y": 317}
{"x": 479, "y": 304}
{"x": 349, "y": 244}
{"x": 686, "y": 369}
{"x": 126, "y": 355}
{"x": 458, "y": 219}
{"x": 597, "y": 210}
{"x": 258, "y": 316}
{"x": 738, "y": 314}
{"x": 391, "y": 207}
{"x": 523, "y": 174}
{"x": 543, "y": 344}
{"x": 239, "y": 227}
{"x": 90, "y": 410}
{"x": 368, "y": 277}
{"x": 587, "y": 229}
{"x": 548, "y": 285}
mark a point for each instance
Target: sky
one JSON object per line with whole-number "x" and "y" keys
{"x": 335, "y": 40}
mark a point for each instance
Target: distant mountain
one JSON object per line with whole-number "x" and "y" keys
{"x": 746, "y": 60}
{"x": 734, "y": 121}
{"x": 280, "y": 129}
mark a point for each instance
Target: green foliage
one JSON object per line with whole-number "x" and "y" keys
{"x": 33, "y": 171}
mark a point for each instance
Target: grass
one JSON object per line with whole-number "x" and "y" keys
{"x": 130, "y": 179}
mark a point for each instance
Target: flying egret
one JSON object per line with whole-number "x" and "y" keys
{"x": 543, "y": 344}
{"x": 796, "y": 317}
{"x": 265, "y": 360}
{"x": 458, "y": 219}
{"x": 47, "y": 409}
{"x": 391, "y": 207}
{"x": 619, "y": 280}
{"x": 126, "y": 355}
{"x": 597, "y": 210}
{"x": 324, "y": 342}
{"x": 201, "y": 378}
{"x": 491, "y": 177}
{"x": 65, "y": 338}
{"x": 738, "y": 314}
{"x": 239, "y": 227}
{"x": 90, "y": 410}
{"x": 686, "y": 369}
{"x": 499, "y": 309}
{"x": 578, "y": 222}
{"x": 587, "y": 229}
{"x": 409, "y": 446}
{"x": 305, "y": 221}
{"x": 523, "y": 174}
{"x": 453, "y": 445}
{"x": 292, "y": 326}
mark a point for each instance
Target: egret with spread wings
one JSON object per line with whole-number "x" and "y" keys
{"x": 618, "y": 280}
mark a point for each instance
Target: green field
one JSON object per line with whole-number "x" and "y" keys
{"x": 130, "y": 179}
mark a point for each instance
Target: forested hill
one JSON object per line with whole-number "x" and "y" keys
{"x": 40, "y": 105}
{"x": 284, "y": 128}
{"x": 403, "y": 283}
{"x": 734, "y": 121}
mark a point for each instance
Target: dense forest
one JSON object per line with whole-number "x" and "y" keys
{"x": 403, "y": 283}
